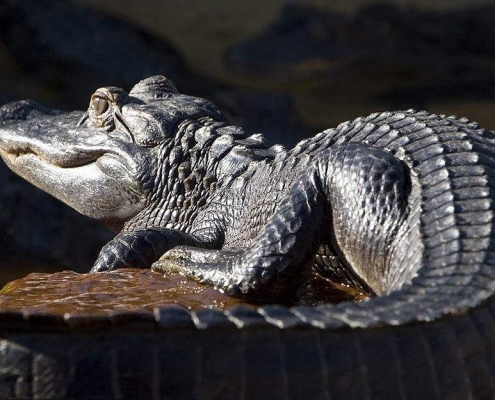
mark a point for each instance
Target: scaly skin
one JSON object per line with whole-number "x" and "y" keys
{"x": 395, "y": 204}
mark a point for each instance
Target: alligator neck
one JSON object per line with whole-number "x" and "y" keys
{"x": 202, "y": 156}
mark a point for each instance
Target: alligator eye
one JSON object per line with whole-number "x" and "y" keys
{"x": 100, "y": 105}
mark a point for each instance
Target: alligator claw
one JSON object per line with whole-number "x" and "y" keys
{"x": 179, "y": 260}
{"x": 173, "y": 261}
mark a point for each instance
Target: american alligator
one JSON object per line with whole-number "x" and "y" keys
{"x": 396, "y": 204}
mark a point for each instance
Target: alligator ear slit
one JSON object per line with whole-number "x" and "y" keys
{"x": 82, "y": 120}
{"x": 120, "y": 120}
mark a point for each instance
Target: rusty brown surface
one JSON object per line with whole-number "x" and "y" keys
{"x": 130, "y": 289}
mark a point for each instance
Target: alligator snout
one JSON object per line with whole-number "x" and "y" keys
{"x": 27, "y": 127}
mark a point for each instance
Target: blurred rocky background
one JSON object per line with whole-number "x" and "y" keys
{"x": 284, "y": 68}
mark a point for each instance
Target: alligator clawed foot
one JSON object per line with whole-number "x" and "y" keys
{"x": 177, "y": 260}
{"x": 213, "y": 267}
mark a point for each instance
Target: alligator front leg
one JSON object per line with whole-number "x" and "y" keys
{"x": 139, "y": 249}
{"x": 271, "y": 267}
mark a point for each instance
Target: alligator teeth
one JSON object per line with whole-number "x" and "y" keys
{"x": 17, "y": 152}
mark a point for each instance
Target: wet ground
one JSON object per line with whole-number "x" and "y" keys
{"x": 132, "y": 289}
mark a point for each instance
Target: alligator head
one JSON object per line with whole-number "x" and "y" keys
{"x": 99, "y": 162}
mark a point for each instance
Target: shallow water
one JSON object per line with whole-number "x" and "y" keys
{"x": 129, "y": 289}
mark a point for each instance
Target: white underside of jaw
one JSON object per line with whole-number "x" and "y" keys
{"x": 85, "y": 188}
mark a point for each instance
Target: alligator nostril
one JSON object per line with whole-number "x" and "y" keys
{"x": 22, "y": 110}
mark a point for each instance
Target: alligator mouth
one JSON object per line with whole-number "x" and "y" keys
{"x": 18, "y": 155}
{"x": 13, "y": 158}
{"x": 34, "y": 167}
{"x": 62, "y": 152}
{"x": 13, "y": 155}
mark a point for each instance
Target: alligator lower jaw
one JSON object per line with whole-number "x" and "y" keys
{"x": 85, "y": 188}
{"x": 46, "y": 174}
